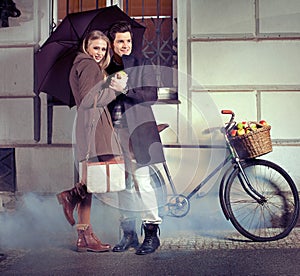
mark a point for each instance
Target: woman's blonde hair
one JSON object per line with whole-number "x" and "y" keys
{"x": 93, "y": 35}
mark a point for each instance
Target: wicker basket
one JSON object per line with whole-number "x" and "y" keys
{"x": 254, "y": 143}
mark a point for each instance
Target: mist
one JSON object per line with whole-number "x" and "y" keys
{"x": 38, "y": 221}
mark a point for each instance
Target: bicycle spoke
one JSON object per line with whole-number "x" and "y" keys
{"x": 268, "y": 219}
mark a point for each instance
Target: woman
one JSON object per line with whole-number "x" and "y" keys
{"x": 87, "y": 81}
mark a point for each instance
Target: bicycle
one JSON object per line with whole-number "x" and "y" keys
{"x": 258, "y": 196}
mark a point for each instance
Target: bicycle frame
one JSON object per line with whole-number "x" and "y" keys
{"x": 256, "y": 216}
{"x": 206, "y": 179}
{"x": 236, "y": 165}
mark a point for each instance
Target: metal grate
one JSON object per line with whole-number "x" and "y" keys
{"x": 7, "y": 170}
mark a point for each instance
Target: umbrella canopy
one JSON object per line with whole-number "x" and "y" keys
{"x": 54, "y": 59}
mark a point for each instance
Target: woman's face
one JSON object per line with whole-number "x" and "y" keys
{"x": 97, "y": 49}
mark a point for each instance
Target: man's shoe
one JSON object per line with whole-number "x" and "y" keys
{"x": 151, "y": 241}
{"x": 129, "y": 239}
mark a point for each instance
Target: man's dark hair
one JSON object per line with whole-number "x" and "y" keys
{"x": 120, "y": 27}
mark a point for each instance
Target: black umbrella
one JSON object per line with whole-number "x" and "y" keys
{"x": 54, "y": 59}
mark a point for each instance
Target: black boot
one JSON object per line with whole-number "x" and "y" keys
{"x": 129, "y": 238}
{"x": 151, "y": 241}
{"x": 70, "y": 198}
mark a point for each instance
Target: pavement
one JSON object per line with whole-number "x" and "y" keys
{"x": 36, "y": 240}
{"x": 185, "y": 253}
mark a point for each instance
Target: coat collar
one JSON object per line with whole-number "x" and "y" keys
{"x": 128, "y": 61}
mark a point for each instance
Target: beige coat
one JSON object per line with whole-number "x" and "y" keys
{"x": 87, "y": 81}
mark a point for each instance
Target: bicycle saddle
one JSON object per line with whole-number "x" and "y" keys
{"x": 161, "y": 127}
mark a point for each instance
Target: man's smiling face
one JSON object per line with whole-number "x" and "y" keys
{"x": 122, "y": 44}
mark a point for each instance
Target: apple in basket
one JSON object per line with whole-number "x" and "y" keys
{"x": 253, "y": 126}
{"x": 263, "y": 122}
{"x": 241, "y": 125}
{"x": 241, "y": 131}
{"x": 233, "y": 132}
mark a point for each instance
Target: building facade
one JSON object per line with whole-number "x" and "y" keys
{"x": 230, "y": 54}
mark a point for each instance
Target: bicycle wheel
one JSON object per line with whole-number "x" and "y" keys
{"x": 159, "y": 186}
{"x": 272, "y": 218}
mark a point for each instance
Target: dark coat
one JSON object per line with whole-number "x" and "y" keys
{"x": 142, "y": 93}
{"x": 86, "y": 80}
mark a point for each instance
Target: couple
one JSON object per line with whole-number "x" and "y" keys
{"x": 125, "y": 102}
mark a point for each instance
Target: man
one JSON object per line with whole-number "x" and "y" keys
{"x": 141, "y": 145}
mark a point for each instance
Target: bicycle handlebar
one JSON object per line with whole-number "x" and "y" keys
{"x": 227, "y": 111}
{"x": 231, "y": 121}
{"x": 229, "y": 125}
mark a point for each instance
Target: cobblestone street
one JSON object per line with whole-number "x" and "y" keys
{"x": 225, "y": 240}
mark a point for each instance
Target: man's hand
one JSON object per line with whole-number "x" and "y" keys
{"x": 119, "y": 82}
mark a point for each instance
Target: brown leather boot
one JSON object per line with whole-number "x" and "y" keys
{"x": 70, "y": 198}
{"x": 88, "y": 241}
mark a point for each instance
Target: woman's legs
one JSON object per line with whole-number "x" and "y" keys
{"x": 78, "y": 196}
{"x": 87, "y": 240}
{"x": 84, "y": 210}
{"x": 69, "y": 199}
